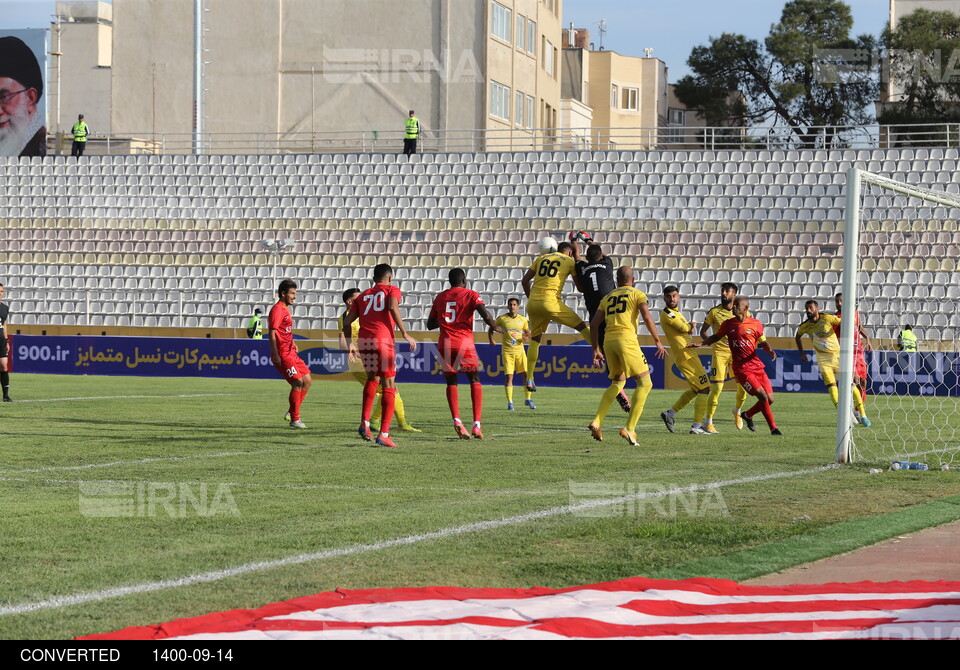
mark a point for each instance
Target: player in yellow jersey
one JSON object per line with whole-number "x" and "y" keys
{"x": 720, "y": 368}
{"x": 357, "y": 370}
{"x": 819, "y": 327}
{"x": 543, "y": 285}
{"x": 677, "y": 331}
{"x": 516, "y": 331}
{"x": 621, "y": 311}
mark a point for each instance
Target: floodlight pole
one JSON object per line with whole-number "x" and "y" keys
{"x": 197, "y": 76}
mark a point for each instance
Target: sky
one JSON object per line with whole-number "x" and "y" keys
{"x": 670, "y": 28}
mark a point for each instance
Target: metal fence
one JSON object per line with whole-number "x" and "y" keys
{"x": 667, "y": 138}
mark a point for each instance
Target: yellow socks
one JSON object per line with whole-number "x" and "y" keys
{"x": 607, "y": 400}
{"x": 638, "y": 401}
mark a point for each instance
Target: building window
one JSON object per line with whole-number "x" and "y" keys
{"x": 518, "y": 111}
{"x": 501, "y": 22}
{"x": 499, "y": 101}
{"x": 631, "y": 99}
{"x": 677, "y": 117}
{"x": 615, "y": 97}
{"x": 521, "y": 32}
{"x": 548, "y": 57}
{"x": 532, "y": 38}
{"x": 531, "y": 110}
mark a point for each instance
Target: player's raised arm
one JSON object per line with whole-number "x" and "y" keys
{"x": 598, "y": 319}
{"x": 393, "y": 305}
{"x": 346, "y": 332}
{"x": 867, "y": 346}
{"x": 490, "y": 333}
{"x": 799, "y": 341}
{"x": 652, "y": 329}
{"x": 527, "y": 281}
{"x": 487, "y": 319}
{"x": 708, "y": 341}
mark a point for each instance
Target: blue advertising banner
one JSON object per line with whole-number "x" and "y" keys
{"x": 923, "y": 373}
{"x": 250, "y": 359}
{"x": 888, "y": 373}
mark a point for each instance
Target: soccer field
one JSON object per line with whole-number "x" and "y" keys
{"x": 195, "y": 496}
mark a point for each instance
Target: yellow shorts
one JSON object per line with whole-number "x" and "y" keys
{"x": 356, "y": 369}
{"x": 514, "y": 362}
{"x": 829, "y": 365}
{"x": 540, "y": 314}
{"x": 719, "y": 368}
{"x": 625, "y": 358}
{"x": 692, "y": 370}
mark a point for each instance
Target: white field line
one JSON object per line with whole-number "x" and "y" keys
{"x": 133, "y": 397}
{"x": 143, "y": 461}
{"x": 225, "y": 454}
{"x": 218, "y": 575}
{"x": 292, "y": 487}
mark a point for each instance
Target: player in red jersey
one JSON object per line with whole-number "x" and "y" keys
{"x": 378, "y": 309}
{"x": 452, "y": 313}
{"x": 745, "y": 334}
{"x": 861, "y": 344}
{"x": 284, "y": 354}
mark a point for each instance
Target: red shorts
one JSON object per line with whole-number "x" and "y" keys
{"x": 860, "y": 367}
{"x": 752, "y": 380}
{"x": 293, "y": 368}
{"x": 458, "y": 356}
{"x": 378, "y": 356}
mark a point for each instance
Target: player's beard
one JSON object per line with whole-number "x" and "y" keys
{"x": 18, "y": 132}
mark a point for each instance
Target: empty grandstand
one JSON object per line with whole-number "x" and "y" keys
{"x": 175, "y": 240}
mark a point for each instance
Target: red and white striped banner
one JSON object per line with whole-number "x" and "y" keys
{"x": 631, "y": 608}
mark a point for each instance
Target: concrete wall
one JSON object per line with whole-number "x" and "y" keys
{"x": 521, "y": 68}
{"x": 85, "y": 42}
{"x": 297, "y": 66}
{"x": 648, "y": 76}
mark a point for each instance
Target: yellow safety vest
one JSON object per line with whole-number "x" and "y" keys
{"x": 908, "y": 341}
{"x": 413, "y": 128}
{"x": 80, "y": 131}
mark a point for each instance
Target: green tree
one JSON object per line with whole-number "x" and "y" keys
{"x": 924, "y": 68}
{"x": 809, "y": 72}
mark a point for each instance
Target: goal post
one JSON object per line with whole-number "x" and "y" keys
{"x": 851, "y": 269}
{"x": 918, "y": 411}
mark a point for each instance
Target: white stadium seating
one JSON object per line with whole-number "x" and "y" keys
{"x": 130, "y": 239}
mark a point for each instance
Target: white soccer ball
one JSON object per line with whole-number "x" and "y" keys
{"x": 547, "y": 245}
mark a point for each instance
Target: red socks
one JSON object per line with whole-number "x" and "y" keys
{"x": 369, "y": 397}
{"x": 763, "y": 407}
{"x": 453, "y": 400}
{"x": 296, "y": 397}
{"x": 387, "y": 401}
{"x": 476, "y": 395}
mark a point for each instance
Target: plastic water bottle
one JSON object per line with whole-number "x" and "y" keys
{"x": 907, "y": 465}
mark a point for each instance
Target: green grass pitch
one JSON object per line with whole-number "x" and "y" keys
{"x": 158, "y": 479}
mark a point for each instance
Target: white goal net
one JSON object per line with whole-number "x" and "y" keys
{"x": 901, "y": 249}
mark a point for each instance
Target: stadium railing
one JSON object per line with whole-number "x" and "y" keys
{"x": 710, "y": 138}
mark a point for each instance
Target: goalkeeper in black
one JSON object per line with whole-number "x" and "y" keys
{"x": 4, "y": 347}
{"x": 596, "y": 281}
